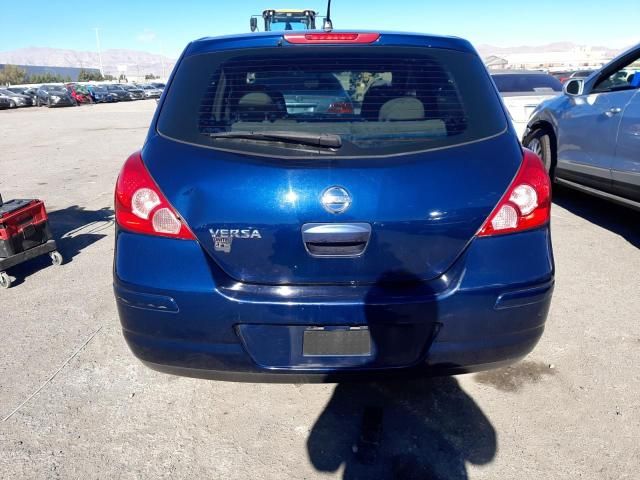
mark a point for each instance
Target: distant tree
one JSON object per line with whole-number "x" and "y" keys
{"x": 38, "y": 78}
{"x": 122, "y": 78}
{"x": 47, "y": 77}
{"x": 109, "y": 78}
{"x": 89, "y": 75}
{"x": 150, "y": 76}
{"x": 12, "y": 74}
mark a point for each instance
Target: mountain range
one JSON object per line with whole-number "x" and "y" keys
{"x": 141, "y": 63}
{"x": 136, "y": 62}
{"x": 486, "y": 50}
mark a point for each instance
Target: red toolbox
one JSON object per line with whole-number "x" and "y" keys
{"x": 24, "y": 234}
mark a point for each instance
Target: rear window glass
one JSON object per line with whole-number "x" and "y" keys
{"x": 378, "y": 100}
{"x": 302, "y": 82}
{"x": 530, "y": 83}
{"x": 54, "y": 88}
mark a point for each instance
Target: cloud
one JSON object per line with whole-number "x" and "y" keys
{"x": 146, "y": 36}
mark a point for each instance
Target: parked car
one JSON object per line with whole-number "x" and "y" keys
{"x": 8, "y": 101}
{"x": 119, "y": 93}
{"x": 150, "y": 91}
{"x": 580, "y": 74}
{"x": 29, "y": 91}
{"x": 257, "y": 243}
{"x": 159, "y": 85}
{"x": 522, "y": 91}
{"x": 79, "y": 93}
{"x": 17, "y": 99}
{"x": 5, "y": 103}
{"x": 562, "y": 76}
{"x": 54, "y": 96}
{"x": 588, "y": 137}
{"x": 307, "y": 92}
{"x": 100, "y": 94}
{"x": 136, "y": 92}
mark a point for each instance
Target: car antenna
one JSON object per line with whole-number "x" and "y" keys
{"x": 327, "y": 25}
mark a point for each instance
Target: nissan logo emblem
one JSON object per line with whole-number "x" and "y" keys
{"x": 335, "y": 199}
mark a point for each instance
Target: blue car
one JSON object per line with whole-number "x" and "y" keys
{"x": 407, "y": 233}
{"x": 100, "y": 94}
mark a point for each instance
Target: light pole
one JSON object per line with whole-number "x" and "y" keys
{"x": 162, "y": 60}
{"x": 99, "y": 53}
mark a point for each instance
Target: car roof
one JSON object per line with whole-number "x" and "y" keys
{"x": 275, "y": 39}
{"x": 517, "y": 72}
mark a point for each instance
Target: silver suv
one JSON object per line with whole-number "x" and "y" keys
{"x": 589, "y": 138}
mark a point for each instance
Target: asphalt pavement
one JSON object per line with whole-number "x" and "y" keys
{"x": 75, "y": 403}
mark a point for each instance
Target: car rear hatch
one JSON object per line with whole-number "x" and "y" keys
{"x": 399, "y": 199}
{"x": 250, "y": 214}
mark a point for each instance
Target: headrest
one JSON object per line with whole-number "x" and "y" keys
{"x": 404, "y": 108}
{"x": 255, "y": 99}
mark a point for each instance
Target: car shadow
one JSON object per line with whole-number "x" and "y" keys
{"x": 74, "y": 229}
{"x": 402, "y": 427}
{"x": 425, "y": 429}
{"x": 620, "y": 220}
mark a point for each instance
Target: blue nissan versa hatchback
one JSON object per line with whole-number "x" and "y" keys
{"x": 265, "y": 235}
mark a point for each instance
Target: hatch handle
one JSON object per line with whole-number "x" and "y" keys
{"x": 336, "y": 239}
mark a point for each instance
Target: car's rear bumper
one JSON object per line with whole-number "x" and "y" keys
{"x": 231, "y": 363}
{"x": 180, "y": 314}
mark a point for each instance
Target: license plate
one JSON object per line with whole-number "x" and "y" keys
{"x": 336, "y": 342}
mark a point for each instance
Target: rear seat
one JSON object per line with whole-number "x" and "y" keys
{"x": 256, "y": 104}
{"x": 404, "y": 108}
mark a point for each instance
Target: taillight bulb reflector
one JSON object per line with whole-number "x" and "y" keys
{"x": 164, "y": 221}
{"x": 144, "y": 200}
{"x": 525, "y": 197}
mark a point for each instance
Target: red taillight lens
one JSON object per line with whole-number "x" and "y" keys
{"x": 340, "y": 108}
{"x": 527, "y": 202}
{"x": 141, "y": 207}
{"x": 331, "y": 37}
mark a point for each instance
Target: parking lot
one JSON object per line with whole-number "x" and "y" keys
{"x": 75, "y": 403}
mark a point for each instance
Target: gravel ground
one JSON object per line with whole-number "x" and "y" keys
{"x": 77, "y": 404}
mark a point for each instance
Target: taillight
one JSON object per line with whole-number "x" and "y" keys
{"x": 340, "y": 108}
{"x": 331, "y": 37}
{"x": 141, "y": 207}
{"x": 527, "y": 202}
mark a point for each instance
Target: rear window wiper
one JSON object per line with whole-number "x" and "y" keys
{"x": 325, "y": 140}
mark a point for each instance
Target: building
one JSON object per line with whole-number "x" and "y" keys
{"x": 495, "y": 63}
{"x": 550, "y": 58}
{"x": 64, "y": 72}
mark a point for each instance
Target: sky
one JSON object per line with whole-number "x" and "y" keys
{"x": 167, "y": 26}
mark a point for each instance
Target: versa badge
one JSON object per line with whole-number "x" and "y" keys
{"x": 223, "y": 237}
